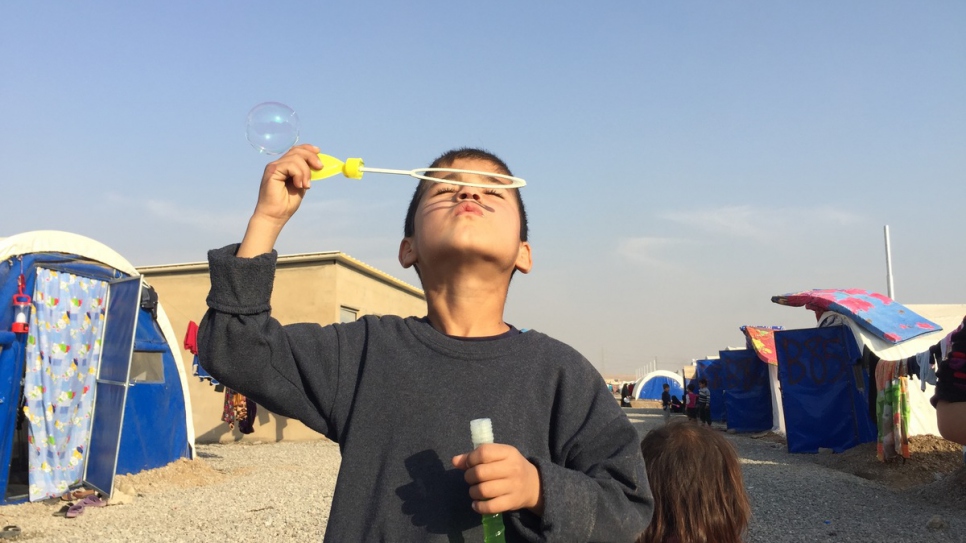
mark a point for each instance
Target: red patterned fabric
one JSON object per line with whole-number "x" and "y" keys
{"x": 762, "y": 340}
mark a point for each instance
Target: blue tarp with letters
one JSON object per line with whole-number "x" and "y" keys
{"x": 823, "y": 390}
{"x": 748, "y": 397}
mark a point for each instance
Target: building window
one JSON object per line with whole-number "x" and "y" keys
{"x": 147, "y": 367}
{"x": 347, "y": 314}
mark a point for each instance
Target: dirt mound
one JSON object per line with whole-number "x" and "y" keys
{"x": 931, "y": 458}
{"x": 182, "y": 473}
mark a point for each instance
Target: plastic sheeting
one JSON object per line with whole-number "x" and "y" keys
{"x": 154, "y": 432}
{"x": 823, "y": 390}
{"x": 748, "y": 396}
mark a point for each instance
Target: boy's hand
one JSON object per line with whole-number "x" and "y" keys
{"x": 283, "y": 185}
{"x": 501, "y": 479}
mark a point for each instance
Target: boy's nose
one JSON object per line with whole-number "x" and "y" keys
{"x": 469, "y": 192}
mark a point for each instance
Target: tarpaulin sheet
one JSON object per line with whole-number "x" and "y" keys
{"x": 823, "y": 390}
{"x": 747, "y": 396}
{"x": 877, "y": 313}
{"x": 713, "y": 371}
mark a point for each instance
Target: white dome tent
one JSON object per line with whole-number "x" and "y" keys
{"x": 651, "y": 385}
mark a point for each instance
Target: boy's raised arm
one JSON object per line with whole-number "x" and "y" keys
{"x": 283, "y": 186}
{"x": 239, "y": 341}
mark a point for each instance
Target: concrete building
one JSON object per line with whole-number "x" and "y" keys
{"x": 311, "y": 287}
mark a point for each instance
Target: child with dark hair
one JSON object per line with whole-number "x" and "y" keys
{"x": 398, "y": 394}
{"x": 691, "y": 405}
{"x": 704, "y": 402}
{"x": 676, "y": 405}
{"x": 696, "y": 480}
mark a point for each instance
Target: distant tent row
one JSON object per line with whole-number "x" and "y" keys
{"x": 91, "y": 379}
{"x": 810, "y": 385}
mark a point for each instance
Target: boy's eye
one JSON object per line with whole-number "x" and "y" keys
{"x": 443, "y": 189}
{"x": 494, "y": 192}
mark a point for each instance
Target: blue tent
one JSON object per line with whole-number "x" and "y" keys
{"x": 83, "y": 410}
{"x": 652, "y": 385}
{"x": 713, "y": 370}
{"x": 748, "y": 397}
{"x": 823, "y": 389}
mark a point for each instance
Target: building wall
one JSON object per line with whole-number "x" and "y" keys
{"x": 303, "y": 292}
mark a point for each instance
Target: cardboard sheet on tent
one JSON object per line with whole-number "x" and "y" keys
{"x": 878, "y": 314}
{"x": 651, "y": 386}
{"x": 713, "y": 370}
{"x": 762, "y": 340}
{"x": 747, "y": 394}
{"x": 823, "y": 390}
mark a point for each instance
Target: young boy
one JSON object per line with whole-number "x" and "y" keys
{"x": 666, "y": 402}
{"x": 398, "y": 394}
{"x": 704, "y": 402}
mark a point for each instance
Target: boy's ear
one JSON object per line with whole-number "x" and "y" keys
{"x": 524, "y": 258}
{"x": 407, "y": 252}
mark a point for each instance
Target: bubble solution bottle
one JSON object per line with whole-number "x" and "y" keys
{"x": 481, "y": 431}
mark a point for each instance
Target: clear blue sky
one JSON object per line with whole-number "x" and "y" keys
{"x": 686, "y": 160}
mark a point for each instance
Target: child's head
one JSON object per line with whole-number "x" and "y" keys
{"x": 699, "y": 493}
{"x": 703, "y": 383}
{"x": 667, "y": 387}
{"x": 430, "y": 225}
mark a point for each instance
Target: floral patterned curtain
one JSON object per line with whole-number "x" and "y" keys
{"x": 63, "y": 355}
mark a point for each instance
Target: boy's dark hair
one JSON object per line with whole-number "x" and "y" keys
{"x": 703, "y": 382}
{"x": 667, "y": 385}
{"x": 446, "y": 160}
{"x": 699, "y": 493}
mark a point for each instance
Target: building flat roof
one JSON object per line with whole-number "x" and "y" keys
{"x": 326, "y": 257}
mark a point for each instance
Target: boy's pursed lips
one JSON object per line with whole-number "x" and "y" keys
{"x": 470, "y": 207}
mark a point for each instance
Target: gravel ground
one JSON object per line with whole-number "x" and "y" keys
{"x": 282, "y": 491}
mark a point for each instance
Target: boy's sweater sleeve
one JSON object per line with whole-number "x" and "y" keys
{"x": 601, "y": 492}
{"x": 290, "y": 370}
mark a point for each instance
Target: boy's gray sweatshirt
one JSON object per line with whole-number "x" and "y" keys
{"x": 398, "y": 397}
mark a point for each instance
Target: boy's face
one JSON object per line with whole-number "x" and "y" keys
{"x": 462, "y": 225}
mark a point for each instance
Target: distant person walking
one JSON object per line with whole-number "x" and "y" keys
{"x": 666, "y": 402}
{"x": 704, "y": 402}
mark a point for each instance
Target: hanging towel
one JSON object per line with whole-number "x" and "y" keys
{"x": 191, "y": 337}
{"x": 892, "y": 410}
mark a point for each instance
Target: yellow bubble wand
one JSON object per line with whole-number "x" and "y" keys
{"x": 273, "y": 128}
{"x": 353, "y": 168}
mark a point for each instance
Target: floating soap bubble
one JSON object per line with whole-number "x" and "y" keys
{"x": 272, "y": 128}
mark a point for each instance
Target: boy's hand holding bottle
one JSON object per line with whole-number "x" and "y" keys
{"x": 501, "y": 479}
